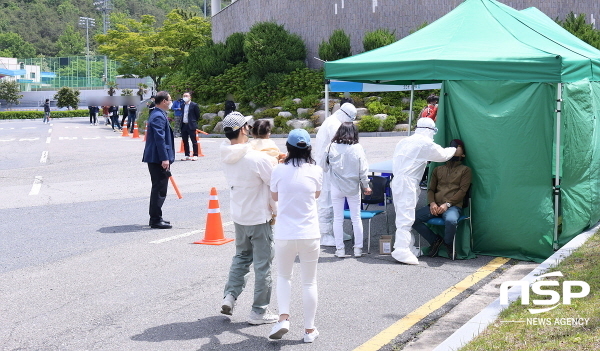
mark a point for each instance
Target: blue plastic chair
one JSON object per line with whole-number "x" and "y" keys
{"x": 378, "y": 186}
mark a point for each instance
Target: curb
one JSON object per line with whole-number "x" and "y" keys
{"x": 488, "y": 315}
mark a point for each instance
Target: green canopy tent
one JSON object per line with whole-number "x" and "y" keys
{"x": 523, "y": 94}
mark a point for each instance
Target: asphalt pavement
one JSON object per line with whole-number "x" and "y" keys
{"x": 81, "y": 270}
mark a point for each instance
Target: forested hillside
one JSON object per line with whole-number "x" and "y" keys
{"x": 42, "y": 23}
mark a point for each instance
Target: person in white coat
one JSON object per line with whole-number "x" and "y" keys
{"x": 346, "y": 113}
{"x": 410, "y": 158}
{"x": 347, "y": 165}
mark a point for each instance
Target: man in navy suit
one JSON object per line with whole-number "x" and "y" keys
{"x": 189, "y": 124}
{"x": 159, "y": 153}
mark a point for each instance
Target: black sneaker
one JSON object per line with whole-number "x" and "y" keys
{"x": 435, "y": 248}
{"x": 423, "y": 185}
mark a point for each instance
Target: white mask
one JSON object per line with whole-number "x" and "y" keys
{"x": 186, "y": 99}
{"x": 170, "y": 104}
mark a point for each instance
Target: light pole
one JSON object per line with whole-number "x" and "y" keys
{"x": 87, "y": 23}
{"x": 105, "y": 7}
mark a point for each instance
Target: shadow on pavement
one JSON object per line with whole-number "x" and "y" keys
{"x": 212, "y": 327}
{"x": 128, "y": 228}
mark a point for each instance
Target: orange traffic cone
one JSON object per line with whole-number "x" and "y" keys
{"x": 199, "y": 146}
{"x": 213, "y": 234}
{"x": 136, "y": 132}
{"x": 125, "y": 131}
{"x": 181, "y": 148}
{"x": 145, "y": 131}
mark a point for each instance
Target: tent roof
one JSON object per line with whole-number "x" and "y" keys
{"x": 479, "y": 40}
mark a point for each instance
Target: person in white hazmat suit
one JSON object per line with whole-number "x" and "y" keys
{"x": 346, "y": 113}
{"x": 410, "y": 158}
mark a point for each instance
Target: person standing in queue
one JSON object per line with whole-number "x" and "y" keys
{"x": 189, "y": 124}
{"x": 159, "y": 153}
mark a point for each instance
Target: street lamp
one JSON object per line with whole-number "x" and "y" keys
{"x": 105, "y": 7}
{"x": 87, "y": 23}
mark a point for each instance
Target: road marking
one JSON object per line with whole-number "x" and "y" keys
{"x": 29, "y": 128}
{"x": 390, "y": 333}
{"x": 29, "y": 139}
{"x": 44, "y": 157}
{"x": 50, "y": 130}
{"x": 37, "y": 185}
{"x": 8, "y": 139}
{"x": 184, "y": 235}
{"x": 67, "y": 138}
{"x": 85, "y": 138}
{"x": 113, "y": 137}
{"x": 48, "y": 140}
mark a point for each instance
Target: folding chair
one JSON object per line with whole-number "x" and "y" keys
{"x": 440, "y": 221}
{"x": 378, "y": 186}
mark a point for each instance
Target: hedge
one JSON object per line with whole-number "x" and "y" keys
{"x": 40, "y": 114}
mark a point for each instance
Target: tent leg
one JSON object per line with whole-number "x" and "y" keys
{"x": 410, "y": 112}
{"x": 556, "y": 189}
{"x": 326, "y": 98}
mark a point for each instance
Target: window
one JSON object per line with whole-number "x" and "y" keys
{"x": 32, "y": 75}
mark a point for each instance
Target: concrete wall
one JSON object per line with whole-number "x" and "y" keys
{"x": 315, "y": 20}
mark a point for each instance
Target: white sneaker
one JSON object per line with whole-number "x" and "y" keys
{"x": 228, "y": 304}
{"x": 341, "y": 253}
{"x": 264, "y": 318}
{"x": 358, "y": 252}
{"x": 194, "y": 158}
{"x": 279, "y": 329}
{"x": 310, "y": 337}
{"x": 185, "y": 158}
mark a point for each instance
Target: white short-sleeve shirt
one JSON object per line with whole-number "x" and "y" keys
{"x": 297, "y": 215}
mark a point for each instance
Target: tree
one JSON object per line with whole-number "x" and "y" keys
{"x": 70, "y": 43}
{"x": 126, "y": 92}
{"x": 13, "y": 45}
{"x": 378, "y": 38}
{"x": 67, "y": 97}
{"x": 9, "y": 92}
{"x": 337, "y": 47}
{"x": 577, "y": 26}
{"x": 144, "y": 50}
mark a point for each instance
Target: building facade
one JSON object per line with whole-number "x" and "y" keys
{"x": 315, "y": 20}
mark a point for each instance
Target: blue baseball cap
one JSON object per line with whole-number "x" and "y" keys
{"x": 298, "y": 136}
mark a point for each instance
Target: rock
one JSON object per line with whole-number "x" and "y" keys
{"x": 381, "y": 116}
{"x": 285, "y": 114}
{"x": 251, "y": 104}
{"x": 336, "y": 107}
{"x": 209, "y": 116}
{"x": 362, "y": 111}
{"x": 321, "y": 117}
{"x": 259, "y": 110}
{"x": 297, "y": 100}
{"x": 205, "y": 128}
{"x": 278, "y": 108}
{"x": 300, "y": 123}
{"x": 218, "y": 128}
{"x": 401, "y": 127}
{"x": 305, "y": 111}
{"x": 221, "y": 114}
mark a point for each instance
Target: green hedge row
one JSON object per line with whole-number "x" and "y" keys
{"x": 40, "y": 114}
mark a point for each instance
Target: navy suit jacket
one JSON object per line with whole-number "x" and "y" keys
{"x": 193, "y": 115}
{"x": 159, "y": 139}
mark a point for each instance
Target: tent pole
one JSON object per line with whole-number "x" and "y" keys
{"x": 326, "y": 98}
{"x": 410, "y": 112}
{"x": 556, "y": 189}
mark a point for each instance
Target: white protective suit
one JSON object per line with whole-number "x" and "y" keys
{"x": 346, "y": 113}
{"x": 410, "y": 158}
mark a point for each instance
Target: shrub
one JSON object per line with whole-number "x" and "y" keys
{"x": 418, "y": 106}
{"x": 268, "y": 113}
{"x": 369, "y": 124}
{"x": 337, "y": 47}
{"x": 280, "y": 122}
{"x": 302, "y": 82}
{"x": 389, "y": 123}
{"x": 214, "y": 108}
{"x": 376, "y": 107}
{"x": 270, "y": 48}
{"x": 40, "y": 114}
{"x": 378, "y": 38}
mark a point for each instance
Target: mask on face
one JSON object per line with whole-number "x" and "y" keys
{"x": 455, "y": 158}
{"x": 170, "y": 104}
{"x": 186, "y": 99}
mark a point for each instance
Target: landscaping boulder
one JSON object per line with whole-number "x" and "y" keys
{"x": 285, "y": 114}
{"x": 381, "y": 116}
{"x": 361, "y": 111}
{"x": 303, "y": 111}
{"x": 297, "y": 100}
{"x": 321, "y": 117}
{"x": 209, "y": 116}
{"x": 218, "y": 128}
{"x": 221, "y": 114}
{"x": 401, "y": 127}
{"x": 300, "y": 123}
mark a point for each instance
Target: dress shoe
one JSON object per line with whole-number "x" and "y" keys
{"x": 435, "y": 248}
{"x": 161, "y": 225}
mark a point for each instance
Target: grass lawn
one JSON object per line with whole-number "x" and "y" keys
{"x": 550, "y": 330}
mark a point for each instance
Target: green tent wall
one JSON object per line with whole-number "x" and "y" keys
{"x": 501, "y": 69}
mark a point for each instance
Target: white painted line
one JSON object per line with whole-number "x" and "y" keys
{"x": 8, "y": 139}
{"x": 29, "y": 139}
{"x": 49, "y": 130}
{"x": 84, "y": 138}
{"x": 29, "y": 128}
{"x": 44, "y": 157}
{"x": 67, "y": 138}
{"x": 113, "y": 137}
{"x": 48, "y": 140}
{"x": 175, "y": 237}
{"x": 37, "y": 185}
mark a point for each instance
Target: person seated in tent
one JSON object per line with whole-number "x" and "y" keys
{"x": 447, "y": 189}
